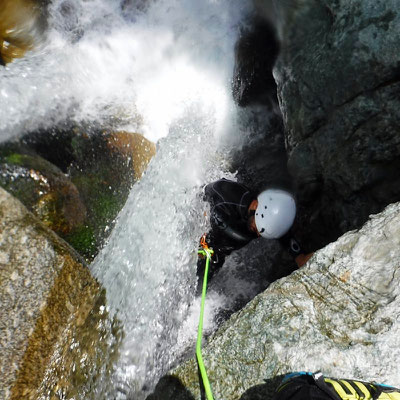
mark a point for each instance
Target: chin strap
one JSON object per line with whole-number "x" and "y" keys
{"x": 207, "y": 252}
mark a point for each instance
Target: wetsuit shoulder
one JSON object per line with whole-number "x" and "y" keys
{"x": 229, "y": 193}
{"x": 229, "y": 203}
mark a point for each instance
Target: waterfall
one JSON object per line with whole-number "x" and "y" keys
{"x": 149, "y": 264}
{"x": 162, "y": 68}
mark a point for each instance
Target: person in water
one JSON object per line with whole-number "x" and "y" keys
{"x": 238, "y": 216}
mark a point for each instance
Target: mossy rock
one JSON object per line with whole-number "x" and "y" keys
{"x": 75, "y": 179}
{"x": 102, "y": 165}
{"x": 105, "y": 166}
{"x": 83, "y": 240}
{"x": 43, "y": 188}
{"x": 104, "y": 179}
{"x": 56, "y": 334}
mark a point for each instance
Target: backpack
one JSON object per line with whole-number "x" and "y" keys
{"x": 308, "y": 386}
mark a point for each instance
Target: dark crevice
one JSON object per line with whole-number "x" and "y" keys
{"x": 255, "y": 55}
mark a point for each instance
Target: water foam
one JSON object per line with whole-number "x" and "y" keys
{"x": 97, "y": 64}
{"x": 164, "y": 72}
{"x": 148, "y": 266}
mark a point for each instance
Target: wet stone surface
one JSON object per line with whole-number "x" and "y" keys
{"x": 338, "y": 84}
{"x": 48, "y": 298}
{"x": 337, "y": 314}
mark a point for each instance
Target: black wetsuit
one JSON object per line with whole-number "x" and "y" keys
{"x": 229, "y": 204}
{"x": 229, "y": 215}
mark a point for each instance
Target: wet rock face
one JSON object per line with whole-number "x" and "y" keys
{"x": 22, "y": 23}
{"x": 43, "y": 188}
{"x": 47, "y": 297}
{"x": 75, "y": 182}
{"x": 338, "y": 76}
{"x": 131, "y": 8}
{"x": 337, "y": 314}
{"x": 255, "y": 55}
{"x": 261, "y": 162}
{"x": 134, "y": 147}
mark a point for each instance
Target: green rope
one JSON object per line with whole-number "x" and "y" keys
{"x": 206, "y": 383}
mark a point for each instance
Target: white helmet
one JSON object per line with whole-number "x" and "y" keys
{"x": 275, "y": 213}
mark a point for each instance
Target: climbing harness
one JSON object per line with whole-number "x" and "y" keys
{"x": 207, "y": 252}
{"x": 300, "y": 385}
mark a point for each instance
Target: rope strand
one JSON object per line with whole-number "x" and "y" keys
{"x": 206, "y": 251}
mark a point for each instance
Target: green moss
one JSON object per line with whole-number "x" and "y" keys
{"x": 15, "y": 159}
{"x": 107, "y": 206}
{"x": 103, "y": 197}
{"x": 31, "y": 161}
{"x": 102, "y": 177}
{"x": 83, "y": 241}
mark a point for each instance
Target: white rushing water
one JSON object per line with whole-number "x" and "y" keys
{"x": 142, "y": 68}
{"x": 164, "y": 70}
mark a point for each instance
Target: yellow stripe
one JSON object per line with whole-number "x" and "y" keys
{"x": 339, "y": 390}
{"x": 363, "y": 388}
{"x": 352, "y": 390}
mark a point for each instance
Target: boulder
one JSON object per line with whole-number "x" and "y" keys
{"x": 133, "y": 146}
{"x": 338, "y": 82}
{"x": 22, "y": 23}
{"x": 48, "y": 298}
{"x": 337, "y": 314}
{"x": 43, "y": 188}
{"x": 75, "y": 179}
{"x": 103, "y": 178}
{"x": 104, "y": 167}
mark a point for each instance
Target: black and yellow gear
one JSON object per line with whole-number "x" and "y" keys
{"x": 308, "y": 386}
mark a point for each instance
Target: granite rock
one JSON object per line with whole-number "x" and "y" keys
{"x": 47, "y": 295}
{"x": 338, "y": 76}
{"x": 337, "y": 314}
